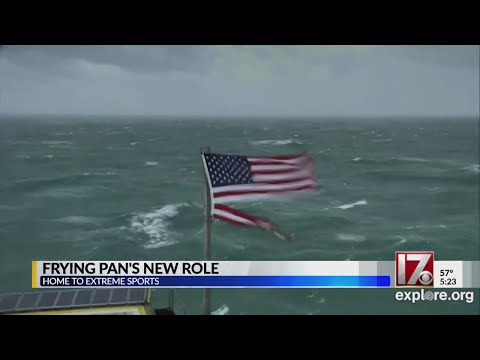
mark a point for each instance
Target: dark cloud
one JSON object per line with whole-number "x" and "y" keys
{"x": 446, "y": 55}
{"x": 136, "y": 58}
{"x": 241, "y": 80}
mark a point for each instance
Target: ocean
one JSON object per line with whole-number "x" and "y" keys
{"x": 131, "y": 188}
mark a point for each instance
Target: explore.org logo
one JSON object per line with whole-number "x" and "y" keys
{"x": 428, "y": 295}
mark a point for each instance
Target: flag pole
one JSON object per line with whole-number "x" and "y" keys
{"x": 207, "y": 240}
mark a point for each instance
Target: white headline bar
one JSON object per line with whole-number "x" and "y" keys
{"x": 445, "y": 274}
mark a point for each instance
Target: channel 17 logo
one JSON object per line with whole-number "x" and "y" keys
{"x": 414, "y": 268}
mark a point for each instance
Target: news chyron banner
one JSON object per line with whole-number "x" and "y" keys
{"x": 409, "y": 269}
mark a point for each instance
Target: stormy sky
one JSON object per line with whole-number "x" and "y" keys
{"x": 240, "y": 80}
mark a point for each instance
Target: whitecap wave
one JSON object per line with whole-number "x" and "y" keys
{"x": 57, "y": 142}
{"x": 109, "y": 173}
{"x": 156, "y": 225}
{"x": 402, "y": 240}
{"x": 48, "y": 156}
{"x": 20, "y": 142}
{"x": 415, "y": 159}
{"x": 474, "y": 169}
{"x": 154, "y": 139}
{"x": 151, "y": 163}
{"x": 277, "y": 142}
{"x": 357, "y": 159}
{"x": 413, "y": 227}
{"x": 240, "y": 247}
{"x": 381, "y": 140}
{"x": 7, "y": 207}
{"x": 78, "y": 220}
{"x": 65, "y": 192}
{"x": 64, "y": 133}
{"x": 349, "y": 206}
{"x": 196, "y": 204}
{"x": 351, "y": 237}
{"x": 440, "y": 226}
{"x": 222, "y": 310}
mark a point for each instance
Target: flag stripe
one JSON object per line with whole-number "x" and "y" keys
{"x": 262, "y": 197}
{"x": 226, "y": 213}
{"x": 244, "y": 198}
{"x": 270, "y": 168}
{"x": 237, "y": 217}
{"x": 287, "y": 181}
{"x": 273, "y": 163}
{"x": 225, "y": 208}
{"x": 232, "y": 219}
{"x": 274, "y": 172}
{"x": 275, "y": 167}
{"x": 292, "y": 162}
{"x": 262, "y": 192}
{"x": 287, "y": 176}
{"x": 258, "y": 187}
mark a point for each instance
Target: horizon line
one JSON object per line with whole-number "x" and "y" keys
{"x": 289, "y": 116}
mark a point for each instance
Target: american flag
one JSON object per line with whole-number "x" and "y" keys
{"x": 236, "y": 178}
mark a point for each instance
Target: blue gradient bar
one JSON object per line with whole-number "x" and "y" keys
{"x": 226, "y": 281}
{"x": 277, "y": 281}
